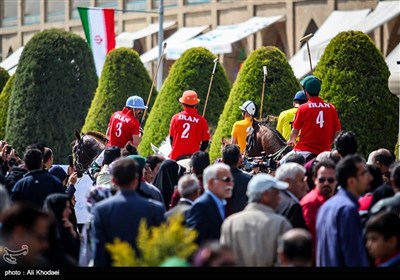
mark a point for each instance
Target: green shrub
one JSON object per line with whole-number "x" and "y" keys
{"x": 4, "y": 76}
{"x": 55, "y": 82}
{"x": 281, "y": 85}
{"x": 4, "y": 102}
{"x": 123, "y": 75}
{"x": 355, "y": 79}
{"x": 192, "y": 70}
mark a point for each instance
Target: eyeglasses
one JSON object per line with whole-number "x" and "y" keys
{"x": 329, "y": 179}
{"x": 225, "y": 179}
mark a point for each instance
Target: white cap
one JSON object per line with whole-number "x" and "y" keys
{"x": 263, "y": 182}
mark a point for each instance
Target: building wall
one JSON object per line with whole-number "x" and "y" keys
{"x": 302, "y": 17}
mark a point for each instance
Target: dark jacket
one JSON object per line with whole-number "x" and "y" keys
{"x": 205, "y": 217}
{"x": 16, "y": 174}
{"x": 35, "y": 186}
{"x": 391, "y": 204}
{"x": 291, "y": 209}
{"x": 182, "y": 207}
{"x": 119, "y": 217}
{"x": 239, "y": 199}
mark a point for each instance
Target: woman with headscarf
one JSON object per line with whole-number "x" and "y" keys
{"x": 167, "y": 178}
{"x": 65, "y": 238}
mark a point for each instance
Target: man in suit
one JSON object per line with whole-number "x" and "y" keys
{"x": 189, "y": 188}
{"x": 231, "y": 156}
{"x": 289, "y": 203}
{"x": 119, "y": 216}
{"x": 208, "y": 211}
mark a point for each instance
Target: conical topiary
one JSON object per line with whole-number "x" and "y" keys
{"x": 4, "y": 102}
{"x": 281, "y": 85}
{"x": 193, "y": 71}
{"x": 355, "y": 79}
{"x": 123, "y": 75}
{"x": 4, "y": 76}
{"x": 54, "y": 84}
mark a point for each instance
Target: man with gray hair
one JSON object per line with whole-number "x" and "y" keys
{"x": 189, "y": 189}
{"x": 289, "y": 203}
{"x": 253, "y": 233}
{"x": 208, "y": 211}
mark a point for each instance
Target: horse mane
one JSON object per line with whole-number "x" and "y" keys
{"x": 266, "y": 123}
{"x": 98, "y": 135}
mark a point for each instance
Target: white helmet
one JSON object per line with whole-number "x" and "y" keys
{"x": 250, "y": 107}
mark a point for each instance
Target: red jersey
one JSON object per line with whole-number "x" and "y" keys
{"x": 318, "y": 122}
{"x": 187, "y": 129}
{"x": 121, "y": 127}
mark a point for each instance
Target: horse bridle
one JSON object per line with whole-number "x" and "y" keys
{"x": 79, "y": 167}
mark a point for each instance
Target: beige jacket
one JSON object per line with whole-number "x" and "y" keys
{"x": 253, "y": 234}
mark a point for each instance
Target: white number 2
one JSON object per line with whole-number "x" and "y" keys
{"x": 119, "y": 131}
{"x": 320, "y": 119}
{"x": 185, "y": 133}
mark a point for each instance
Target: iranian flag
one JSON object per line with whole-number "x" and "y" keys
{"x": 98, "y": 25}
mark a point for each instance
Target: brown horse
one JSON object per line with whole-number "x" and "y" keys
{"x": 86, "y": 148}
{"x": 265, "y": 138}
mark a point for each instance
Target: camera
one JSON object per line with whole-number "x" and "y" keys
{"x": 71, "y": 161}
{"x": 8, "y": 149}
{"x": 265, "y": 163}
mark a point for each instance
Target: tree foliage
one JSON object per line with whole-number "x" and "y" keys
{"x": 281, "y": 85}
{"x": 123, "y": 75}
{"x": 155, "y": 244}
{"x": 4, "y": 102}
{"x": 355, "y": 79}
{"x": 55, "y": 82}
{"x": 193, "y": 70}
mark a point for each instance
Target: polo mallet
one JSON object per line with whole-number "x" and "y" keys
{"x": 306, "y": 38}
{"x": 209, "y": 86}
{"x": 263, "y": 89}
{"x": 152, "y": 84}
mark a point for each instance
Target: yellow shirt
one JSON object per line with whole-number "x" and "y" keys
{"x": 285, "y": 119}
{"x": 239, "y": 131}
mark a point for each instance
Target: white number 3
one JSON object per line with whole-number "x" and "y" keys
{"x": 185, "y": 133}
{"x": 320, "y": 119}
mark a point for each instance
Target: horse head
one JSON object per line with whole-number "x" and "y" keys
{"x": 265, "y": 138}
{"x": 86, "y": 148}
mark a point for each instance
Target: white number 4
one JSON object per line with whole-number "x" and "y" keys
{"x": 320, "y": 119}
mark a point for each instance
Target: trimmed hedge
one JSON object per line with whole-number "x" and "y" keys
{"x": 4, "y": 76}
{"x": 123, "y": 75}
{"x": 281, "y": 85}
{"x": 354, "y": 78}
{"x": 55, "y": 82}
{"x": 192, "y": 70}
{"x": 4, "y": 102}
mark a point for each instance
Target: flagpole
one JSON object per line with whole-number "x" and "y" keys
{"x": 160, "y": 45}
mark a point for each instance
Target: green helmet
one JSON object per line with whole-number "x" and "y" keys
{"x": 311, "y": 84}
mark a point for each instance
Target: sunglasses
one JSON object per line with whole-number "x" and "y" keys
{"x": 225, "y": 179}
{"x": 329, "y": 179}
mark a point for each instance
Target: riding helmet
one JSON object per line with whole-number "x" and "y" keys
{"x": 311, "y": 84}
{"x": 135, "y": 102}
{"x": 250, "y": 107}
{"x": 189, "y": 97}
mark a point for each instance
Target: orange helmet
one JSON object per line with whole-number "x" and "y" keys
{"x": 189, "y": 97}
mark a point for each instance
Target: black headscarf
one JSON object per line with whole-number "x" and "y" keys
{"x": 167, "y": 178}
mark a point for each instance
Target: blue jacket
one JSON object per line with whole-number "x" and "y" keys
{"x": 119, "y": 217}
{"x": 204, "y": 217}
{"x": 340, "y": 240}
